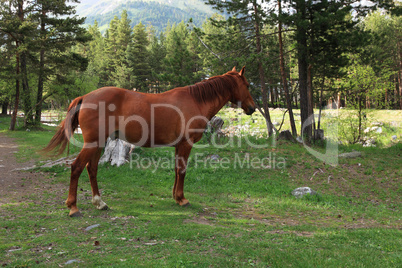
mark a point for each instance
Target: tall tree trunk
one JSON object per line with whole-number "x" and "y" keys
{"x": 400, "y": 82}
{"x": 310, "y": 95}
{"x": 38, "y": 107}
{"x": 301, "y": 36}
{"x": 17, "y": 88}
{"x": 4, "y": 107}
{"x": 261, "y": 73}
{"x": 271, "y": 90}
{"x": 20, "y": 15}
{"x": 319, "y": 112}
{"x": 276, "y": 104}
{"x": 26, "y": 91}
{"x": 295, "y": 95}
{"x": 283, "y": 74}
{"x": 26, "y": 96}
{"x": 360, "y": 117}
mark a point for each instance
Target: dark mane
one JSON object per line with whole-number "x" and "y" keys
{"x": 215, "y": 87}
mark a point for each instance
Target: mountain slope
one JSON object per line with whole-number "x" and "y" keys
{"x": 156, "y": 13}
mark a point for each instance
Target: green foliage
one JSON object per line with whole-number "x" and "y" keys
{"x": 182, "y": 61}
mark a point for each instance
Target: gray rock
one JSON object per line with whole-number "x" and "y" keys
{"x": 377, "y": 123}
{"x": 379, "y": 130}
{"x": 71, "y": 261}
{"x": 394, "y": 137}
{"x": 215, "y": 126}
{"x": 91, "y": 227}
{"x": 216, "y": 123}
{"x": 353, "y": 154}
{"x": 302, "y": 191}
{"x": 214, "y": 157}
{"x": 369, "y": 142}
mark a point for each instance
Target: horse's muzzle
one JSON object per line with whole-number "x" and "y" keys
{"x": 250, "y": 110}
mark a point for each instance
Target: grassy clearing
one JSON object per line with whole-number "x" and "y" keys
{"x": 338, "y": 125}
{"x": 241, "y": 215}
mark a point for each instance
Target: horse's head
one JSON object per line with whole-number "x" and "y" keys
{"x": 241, "y": 94}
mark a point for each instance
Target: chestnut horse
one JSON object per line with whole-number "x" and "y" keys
{"x": 174, "y": 118}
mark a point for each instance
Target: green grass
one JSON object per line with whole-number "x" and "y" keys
{"x": 240, "y": 216}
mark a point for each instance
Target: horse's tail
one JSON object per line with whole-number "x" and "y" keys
{"x": 66, "y": 128}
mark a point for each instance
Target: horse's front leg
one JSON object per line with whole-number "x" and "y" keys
{"x": 182, "y": 153}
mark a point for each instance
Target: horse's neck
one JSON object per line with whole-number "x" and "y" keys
{"x": 213, "y": 107}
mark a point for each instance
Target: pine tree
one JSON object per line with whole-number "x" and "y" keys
{"x": 138, "y": 58}
{"x": 111, "y": 49}
{"x": 180, "y": 62}
{"x": 157, "y": 54}
{"x": 96, "y": 54}
{"x": 118, "y": 39}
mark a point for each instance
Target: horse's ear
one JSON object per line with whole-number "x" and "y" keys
{"x": 234, "y": 69}
{"x": 241, "y": 73}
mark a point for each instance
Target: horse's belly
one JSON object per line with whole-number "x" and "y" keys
{"x": 148, "y": 136}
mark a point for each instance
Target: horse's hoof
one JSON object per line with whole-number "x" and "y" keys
{"x": 186, "y": 205}
{"x": 76, "y": 214}
{"x": 98, "y": 203}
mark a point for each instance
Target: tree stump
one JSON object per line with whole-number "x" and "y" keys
{"x": 286, "y": 135}
{"x": 318, "y": 134}
{"x": 117, "y": 152}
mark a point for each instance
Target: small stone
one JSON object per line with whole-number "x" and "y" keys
{"x": 91, "y": 227}
{"x": 150, "y": 244}
{"x": 14, "y": 249}
{"x": 214, "y": 157}
{"x": 302, "y": 191}
{"x": 394, "y": 137}
{"x": 71, "y": 261}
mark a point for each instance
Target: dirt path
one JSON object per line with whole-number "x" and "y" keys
{"x": 17, "y": 185}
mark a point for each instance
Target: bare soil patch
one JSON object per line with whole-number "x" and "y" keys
{"x": 17, "y": 185}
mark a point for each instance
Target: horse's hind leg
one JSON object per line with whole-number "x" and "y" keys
{"x": 76, "y": 169}
{"x": 92, "y": 168}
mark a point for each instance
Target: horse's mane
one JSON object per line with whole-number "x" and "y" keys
{"x": 215, "y": 87}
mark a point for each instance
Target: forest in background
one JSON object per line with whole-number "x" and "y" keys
{"x": 297, "y": 54}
